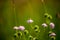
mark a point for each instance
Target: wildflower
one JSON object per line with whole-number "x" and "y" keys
{"x": 15, "y": 27}
{"x": 30, "y": 21}
{"x": 44, "y": 25}
{"x": 52, "y": 25}
{"x": 21, "y": 28}
{"x": 52, "y": 34}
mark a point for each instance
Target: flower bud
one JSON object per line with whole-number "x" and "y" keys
{"x": 52, "y": 34}
{"x": 30, "y": 21}
{"x": 52, "y": 25}
{"x": 44, "y": 25}
{"x": 15, "y": 27}
{"x": 21, "y": 28}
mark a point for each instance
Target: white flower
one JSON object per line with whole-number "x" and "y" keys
{"x": 44, "y": 25}
{"x": 30, "y": 21}
{"x": 15, "y": 27}
{"x": 52, "y": 25}
{"x": 52, "y": 34}
{"x": 21, "y": 28}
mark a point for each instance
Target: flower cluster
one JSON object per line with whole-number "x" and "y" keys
{"x": 52, "y": 25}
{"x": 21, "y": 30}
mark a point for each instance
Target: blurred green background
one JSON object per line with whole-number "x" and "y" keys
{"x": 25, "y": 9}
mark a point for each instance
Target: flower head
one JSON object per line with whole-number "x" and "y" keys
{"x": 30, "y": 21}
{"x": 44, "y": 25}
{"x": 21, "y": 28}
{"x": 15, "y": 27}
{"x": 52, "y": 34}
{"x": 52, "y": 25}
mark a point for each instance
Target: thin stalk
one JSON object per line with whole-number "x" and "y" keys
{"x": 14, "y": 10}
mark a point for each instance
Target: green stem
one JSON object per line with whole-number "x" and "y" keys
{"x": 31, "y": 26}
{"x": 43, "y": 3}
{"x": 54, "y": 38}
{"x": 14, "y": 10}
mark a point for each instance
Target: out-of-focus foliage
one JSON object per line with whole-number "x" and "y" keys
{"x": 25, "y": 9}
